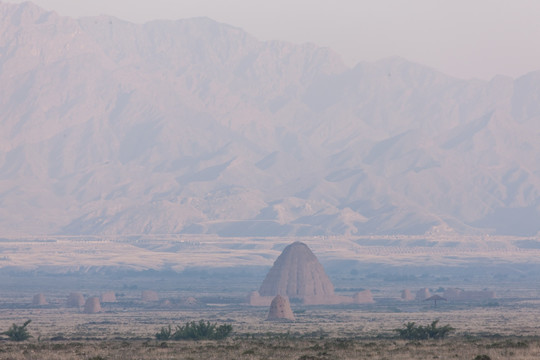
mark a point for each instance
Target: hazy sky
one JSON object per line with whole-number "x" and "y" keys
{"x": 464, "y": 38}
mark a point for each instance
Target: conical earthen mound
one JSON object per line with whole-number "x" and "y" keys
{"x": 297, "y": 274}
{"x": 108, "y": 297}
{"x": 39, "y": 300}
{"x": 363, "y": 297}
{"x": 189, "y": 302}
{"x": 92, "y": 305}
{"x": 406, "y": 295}
{"x": 422, "y": 294}
{"x": 280, "y": 309}
{"x": 75, "y": 300}
{"x": 165, "y": 303}
{"x": 149, "y": 296}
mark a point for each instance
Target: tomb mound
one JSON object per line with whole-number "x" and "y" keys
{"x": 468, "y": 295}
{"x": 363, "y": 297}
{"x": 422, "y": 294}
{"x": 297, "y": 274}
{"x": 108, "y": 297}
{"x": 280, "y": 310}
{"x": 149, "y": 296}
{"x": 165, "y": 303}
{"x": 75, "y": 300}
{"x": 92, "y": 305}
{"x": 39, "y": 300}
{"x": 189, "y": 301}
{"x": 406, "y": 295}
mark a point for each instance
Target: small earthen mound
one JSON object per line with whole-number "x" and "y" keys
{"x": 189, "y": 301}
{"x": 363, "y": 297}
{"x": 39, "y": 300}
{"x": 280, "y": 310}
{"x": 108, "y": 297}
{"x": 92, "y": 305}
{"x": 452, "y": 293}
{"x": 75, "y": 300}
{"x": 422, "y": 294}
{"x": 165, "y": 304}
{"x": 149, "y": 296}
{"x": 468, "y": 295}
{"x": 406, "y": 295}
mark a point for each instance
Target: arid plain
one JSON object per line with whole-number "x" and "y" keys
{"x": 505, "y": 327}
{"x": 156, "y": 173}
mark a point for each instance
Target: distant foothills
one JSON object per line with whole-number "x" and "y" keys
{"x": 195, "y": 127}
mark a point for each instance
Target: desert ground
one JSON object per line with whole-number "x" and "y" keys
{"x": 507, "y": 330}
{"x": 501, "y": 328}
{"x": 505, "y": 327}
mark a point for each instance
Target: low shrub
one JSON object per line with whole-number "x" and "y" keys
{"x": 411, "y": 331}
{"x": 165, "y": 333}
{"x": 202, "y": 330}
{"x": 18, "y": 332}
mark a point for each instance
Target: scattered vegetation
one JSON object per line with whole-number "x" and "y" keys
{"x": 202, "y": 330}
{"x": 454, "y": 347}
{"x": 18, "y": 332}
{"x": 411, "y": 331}
{"x": 165, "y": 333}
{"x": 508, "y": 344}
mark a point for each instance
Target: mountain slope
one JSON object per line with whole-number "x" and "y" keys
{"x": 192, "y": 126}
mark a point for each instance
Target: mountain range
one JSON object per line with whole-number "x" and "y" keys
{"x": 196, "y": 127}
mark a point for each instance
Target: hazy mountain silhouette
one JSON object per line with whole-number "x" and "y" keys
{"x": 194, "y": 126}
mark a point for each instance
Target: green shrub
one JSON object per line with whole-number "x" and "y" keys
{"x": 411, "y": 331}
{"x": 202, "y": 330}
{"x": 17, "y": 332}
{"x": 165, "y": 333}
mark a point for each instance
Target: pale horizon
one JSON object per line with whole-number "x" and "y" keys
{"x": 462, "y": 39}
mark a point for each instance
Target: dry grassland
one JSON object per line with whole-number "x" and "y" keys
{"x": 505, "y": 332}
{"x": 503, "y": 328}
{"x": 277, "y": 348}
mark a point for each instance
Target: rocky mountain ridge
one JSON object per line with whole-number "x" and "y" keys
{"x": 192, "y": 126}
